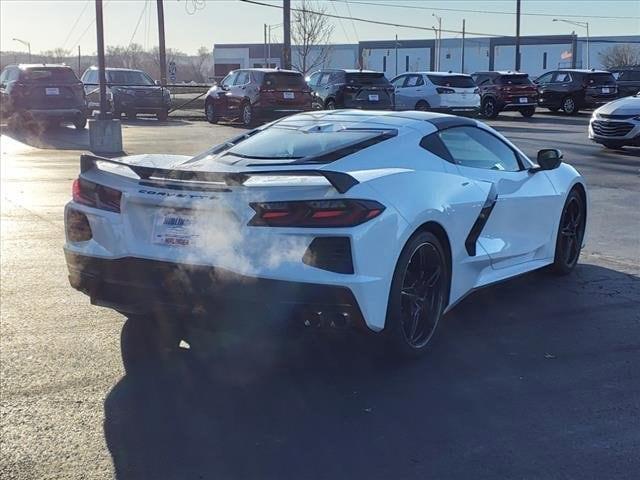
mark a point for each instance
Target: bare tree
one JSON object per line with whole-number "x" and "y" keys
{"x": 198, "y": 64}
{"x": 57, "y": 55}
{"x": 310, "y": 34}
{"x": 624, "y": 55}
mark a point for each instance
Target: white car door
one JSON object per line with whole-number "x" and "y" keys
{"x": 413, "y": 90}
{"x": 398, "y": 85}
{"x": 519, "y": 225}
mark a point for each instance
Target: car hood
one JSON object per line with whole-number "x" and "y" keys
{"x": 622, "y": 106}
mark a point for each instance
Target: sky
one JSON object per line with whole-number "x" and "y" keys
{"x": 190, "y": 24}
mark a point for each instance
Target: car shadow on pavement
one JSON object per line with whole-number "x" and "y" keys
{"x": 507, "y": 391}
{"x": 51, "y": 137}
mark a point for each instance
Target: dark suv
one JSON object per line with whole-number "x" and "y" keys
{"x": 573, "y": 89}
{"x": 628, "y": 80}
{"x": 128, "y": 91}
{"x": 363, "y": 89}
{"x": 251, "y": 94}
{"x": 42, "y": 92}
{"x": 503, "y": 91}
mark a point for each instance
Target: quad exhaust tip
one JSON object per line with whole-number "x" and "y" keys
{"x": 331, "y": 320}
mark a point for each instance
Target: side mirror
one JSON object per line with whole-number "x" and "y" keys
{"x": 548, "y": 159}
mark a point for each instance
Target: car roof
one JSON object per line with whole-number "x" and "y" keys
{"x": 116, "y": 69}
{"x": 440, "y": 74}
{"x": 266, "y": 70}
{"x": 500, "y": 72}
{"x": 27, "y": 66}
{"x": 581, "y": 70}
{"x": 385, "y": 118}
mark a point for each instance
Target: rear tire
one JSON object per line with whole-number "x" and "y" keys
{"x": 422, "y": 106}
{"x": 162, "y": 116}
{"x": 570, "y": 234}
{"x": 489, "y": 108}
{"x": 569, "y": 106}
{"x": 528, "y": 112}
{"x": 80, "y": 123}
{"x": 418, "y": 295}
{"x": 246, "y": 114}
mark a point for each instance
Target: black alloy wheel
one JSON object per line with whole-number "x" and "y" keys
{"x": 418, "y": 294}
{"x": 570, "y": 234}
{"x": 569, "y": 106}
{"x": 489, "y": 108}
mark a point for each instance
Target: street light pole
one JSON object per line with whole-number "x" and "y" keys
{"x": 517, "y": 35}
{"x": 463, "y": 32}
{"x": 161, "y": 43}
{"x": 26, "y": 44}
{"x": 439, "y": 48}
{"x": 583, "y": 25}
{"x": 102, "y": 80}
{"x": 286, "y": 20}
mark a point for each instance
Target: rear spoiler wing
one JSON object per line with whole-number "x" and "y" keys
{"x": 341, "y": 181}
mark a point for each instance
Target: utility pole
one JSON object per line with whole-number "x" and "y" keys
{"x": 286, "y": 18}
{"x": 101, "y": 67}
{"x": 79, "y": 72}
{"x": 463, "y": 30}
{"x": 517, "y": 35}
{"x": 161, "y": 44}
{"x": 438, "y": 40}
{"x": 266, "y": 65}
{"x": 396, "y": 54}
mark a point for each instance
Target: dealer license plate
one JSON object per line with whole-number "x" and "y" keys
{"x": 289, "y": 95}
{"x": 374, "y": 97}
{"x": 52, "y": 91}
{"x": 606, "y": 90}
{"x": 524, "y": 100}
{"x": 174, "y": 228}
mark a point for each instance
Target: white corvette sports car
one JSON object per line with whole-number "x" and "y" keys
{"x": 377, "y": 220}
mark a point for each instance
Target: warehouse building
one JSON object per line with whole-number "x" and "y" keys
{"x": 537, "y": 54}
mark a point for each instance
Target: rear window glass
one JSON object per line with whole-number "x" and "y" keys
{"x": 128, "y": 77}
{"x": 600, "y": 79}
{"x": 362, "y": 78}
{"x": 49, "y": 75}
{"x": 459, "y": 81}
{"x": 629, "y": 76}
{"x": 514, "y": 80}
{"x": 280, "y": 143}
{"x": 283, "y": 80}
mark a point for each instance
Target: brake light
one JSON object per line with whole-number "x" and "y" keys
{"x": 445, "y": 90}
{"x": 96, "y": 195}
{"x": 315, "y": 213}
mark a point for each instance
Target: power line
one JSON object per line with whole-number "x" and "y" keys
{"x": 492, "y": 12}
{"x": 135, "y": 30}
{"x": 344, "y": 30}
{"x": 353, "y": 24}
{"x": 75, "y": 24}
{"x": 365, "y": 20}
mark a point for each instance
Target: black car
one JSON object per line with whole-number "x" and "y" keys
{"x": 364, "y": 89}
{"x": 574, "y": 89}
{"x": 628, "y": 80}
{"x": 51, "y": 93}
{"x": 128, "y": 91}
{"x": 505, "y": 91}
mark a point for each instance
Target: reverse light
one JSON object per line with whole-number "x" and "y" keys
{"x": 445, "y": 90}
{"x": 315, "y": 213}
{"x": 96, "y": 195}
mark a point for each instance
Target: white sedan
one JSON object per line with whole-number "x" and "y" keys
{"x": 617, "y": 123}
{"x": 381, "y": 221}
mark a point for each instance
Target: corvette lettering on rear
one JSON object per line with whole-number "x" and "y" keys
{"x": 178, "y": 195}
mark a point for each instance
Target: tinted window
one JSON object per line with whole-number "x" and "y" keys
{"x": 398, "y": 81}
{"x": 228, "y": 80}
{"x": 458, "y": 81}
{"x": 242, "y": 79}
{"x": 629, "y": 76}
{"x": 324, "y": 79}
{"x": 128, "y": 77}
{"x": 514, "y": 80}
{"x": 283, "y": 80}
{"x": 313, "y": 79}
{"x": 546, "y": 78}
{"x": 561, "y": 77}
{"x": 49, "y": 75}
{"x": 367, "y": 78}
{"x": 600, "y": 79}
{"x": 289, "y": 144}
{"x": 473, "y": 147}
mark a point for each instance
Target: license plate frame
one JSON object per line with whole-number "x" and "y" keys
{"x": 606, "y": 90}
{"x": 523, "y": 100}
{"x": 51, "y": 91}
{"x": 288, "y": 95}
{"x": 174, "y": 228}
{"x": 374, "y": 97}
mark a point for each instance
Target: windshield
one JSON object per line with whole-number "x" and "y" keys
{"x": 284, "y": 80}
{"x": 49, "y": 75}
{"x": 367, "y": 78}
{"x": 514, "y": 80}
{"x": 458, "y": 81}
{"x": 285, "y": 143}
{"x": 128, "y": 77}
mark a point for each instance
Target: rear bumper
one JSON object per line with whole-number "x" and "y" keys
{"x": 136, "y": 285}
{"x": 60, "y": 113}
{"x": 465, "y": 110}
{"x": 265, "y": 111}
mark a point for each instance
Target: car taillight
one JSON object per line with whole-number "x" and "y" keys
{"x": 77, "y": 226}
{"x": 96, "y": 195}
{"x": 315, "y": 213}
{"x": 445, "y": 90}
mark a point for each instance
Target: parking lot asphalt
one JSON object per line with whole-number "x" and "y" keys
{"x": 536, "y": 378}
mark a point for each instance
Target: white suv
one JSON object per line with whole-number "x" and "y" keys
{"x": 436, "y": 91}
